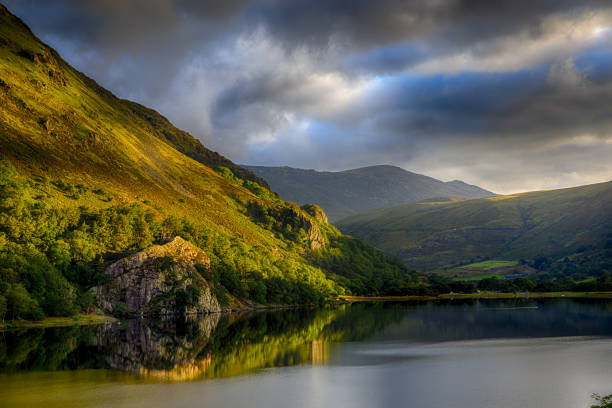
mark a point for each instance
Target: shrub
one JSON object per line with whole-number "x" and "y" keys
{"x": 227, "y": 173}
{"x": 602, "y": 401}
{"x": 19, "y": 304}
{"x": 7, "y": 172}
{"x": 3, "y": 308}
{"x": 121, "y": 311}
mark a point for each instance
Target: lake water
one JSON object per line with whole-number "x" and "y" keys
{"x": 486, "y": 353}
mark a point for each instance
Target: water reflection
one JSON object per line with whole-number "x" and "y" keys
{"x": 229, "y": 345}
{"x": 162, "y": 349}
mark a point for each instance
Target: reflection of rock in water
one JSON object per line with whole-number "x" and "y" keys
{"x": 319, "y": 352}
{"x": 159, "y": 349}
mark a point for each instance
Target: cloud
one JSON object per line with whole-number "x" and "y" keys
{"x": 510, "y": 95}
{"x": 554, "y": 37}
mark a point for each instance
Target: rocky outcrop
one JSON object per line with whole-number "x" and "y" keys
{"x": 316, "y": 212}
{"x": 159, "y": 280}
{"x": 315, "y": 237}
{"x": 293, "y": 221}
{"x": 297, "y": 220}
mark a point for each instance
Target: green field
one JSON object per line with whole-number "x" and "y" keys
{"x": 588, "y": 280}
{"x": 482, "y": 295}
{"x": 486, "y": 265}
{"x": 480, "y": 277}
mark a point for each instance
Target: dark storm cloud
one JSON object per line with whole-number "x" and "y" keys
{"x": 118, "y": 23}
{"x": 453, "y": 88}
{"x": 135, "y": 47}
{"x": 121, "y": 25}
{"x": 529, "y": 107}
{"x": 368, "y": 23}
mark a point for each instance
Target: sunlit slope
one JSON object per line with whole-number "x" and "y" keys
{"x": 434, "y": 234}
{"x": 59, "y": 124}
{"x": 79, "y": 151}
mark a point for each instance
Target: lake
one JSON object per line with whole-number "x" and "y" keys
{"x": 470, "y": 353}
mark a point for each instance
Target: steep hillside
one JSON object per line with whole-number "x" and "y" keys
{"x": 87, "y": 178}
{"x": 348, "y": 192}
{"x": 186, "y": 144}
{"x": 544, "y": 227}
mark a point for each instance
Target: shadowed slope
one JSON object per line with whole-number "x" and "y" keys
{"x": 434, "y": 234}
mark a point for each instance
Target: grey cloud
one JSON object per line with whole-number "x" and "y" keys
{"x": 550, "y": 128}
{"x": 447, "y": 25}
{"x": 122, "y": 25}
{"x": 335, "y": 84}
{"x": 132, "y": 25}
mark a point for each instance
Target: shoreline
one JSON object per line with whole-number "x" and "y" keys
{"x": 78, "y": 320}
{"x": 488, "y": 295}
{"x": 94, "y": 319}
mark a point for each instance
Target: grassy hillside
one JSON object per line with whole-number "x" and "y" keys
{"x": 346, "y": 193}
{"x": 568, "y": 229}
{"x": 186, "y": 144}
{"x": 86, "y": 178}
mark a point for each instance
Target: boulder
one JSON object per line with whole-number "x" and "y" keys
{"x": 159, "y": 280}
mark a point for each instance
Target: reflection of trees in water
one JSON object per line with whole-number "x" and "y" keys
{"x": 209, "y": 346}
{"x": 227, "y": 345}
{"x": 57, "y": 348}
{"x": 509, "y": 318}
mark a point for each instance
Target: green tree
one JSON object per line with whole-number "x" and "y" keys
{"x": 19, "y": 304}
{"x": 602, "y": 402}
{"x": 227, "y": 173}
{"x": 2, "y": 307}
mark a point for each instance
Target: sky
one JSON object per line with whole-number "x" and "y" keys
{"x": 510, "y": 95}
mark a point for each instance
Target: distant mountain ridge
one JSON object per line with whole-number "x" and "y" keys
{"x": 344, "y": 193}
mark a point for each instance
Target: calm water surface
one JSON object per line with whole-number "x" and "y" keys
{"x": 518, "y": 353}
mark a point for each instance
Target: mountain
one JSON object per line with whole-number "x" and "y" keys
{"x": 186, "y": 144}
{"x": 87, "y": 179}
{"x": 348, "y": 192}
{"x": 544, "y": 227}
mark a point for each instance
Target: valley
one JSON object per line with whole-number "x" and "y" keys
{"x": 282, "y": 204}
{"x": 564, "y": 231}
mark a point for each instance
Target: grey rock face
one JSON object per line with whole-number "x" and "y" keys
{"x": 315, "y": 237}
{"x": 313, "y": 232}
{"x": 160, "y": 280}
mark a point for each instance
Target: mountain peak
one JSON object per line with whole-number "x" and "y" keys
{"x": 347, "y": 192}
{"x": 378, "y": 169}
